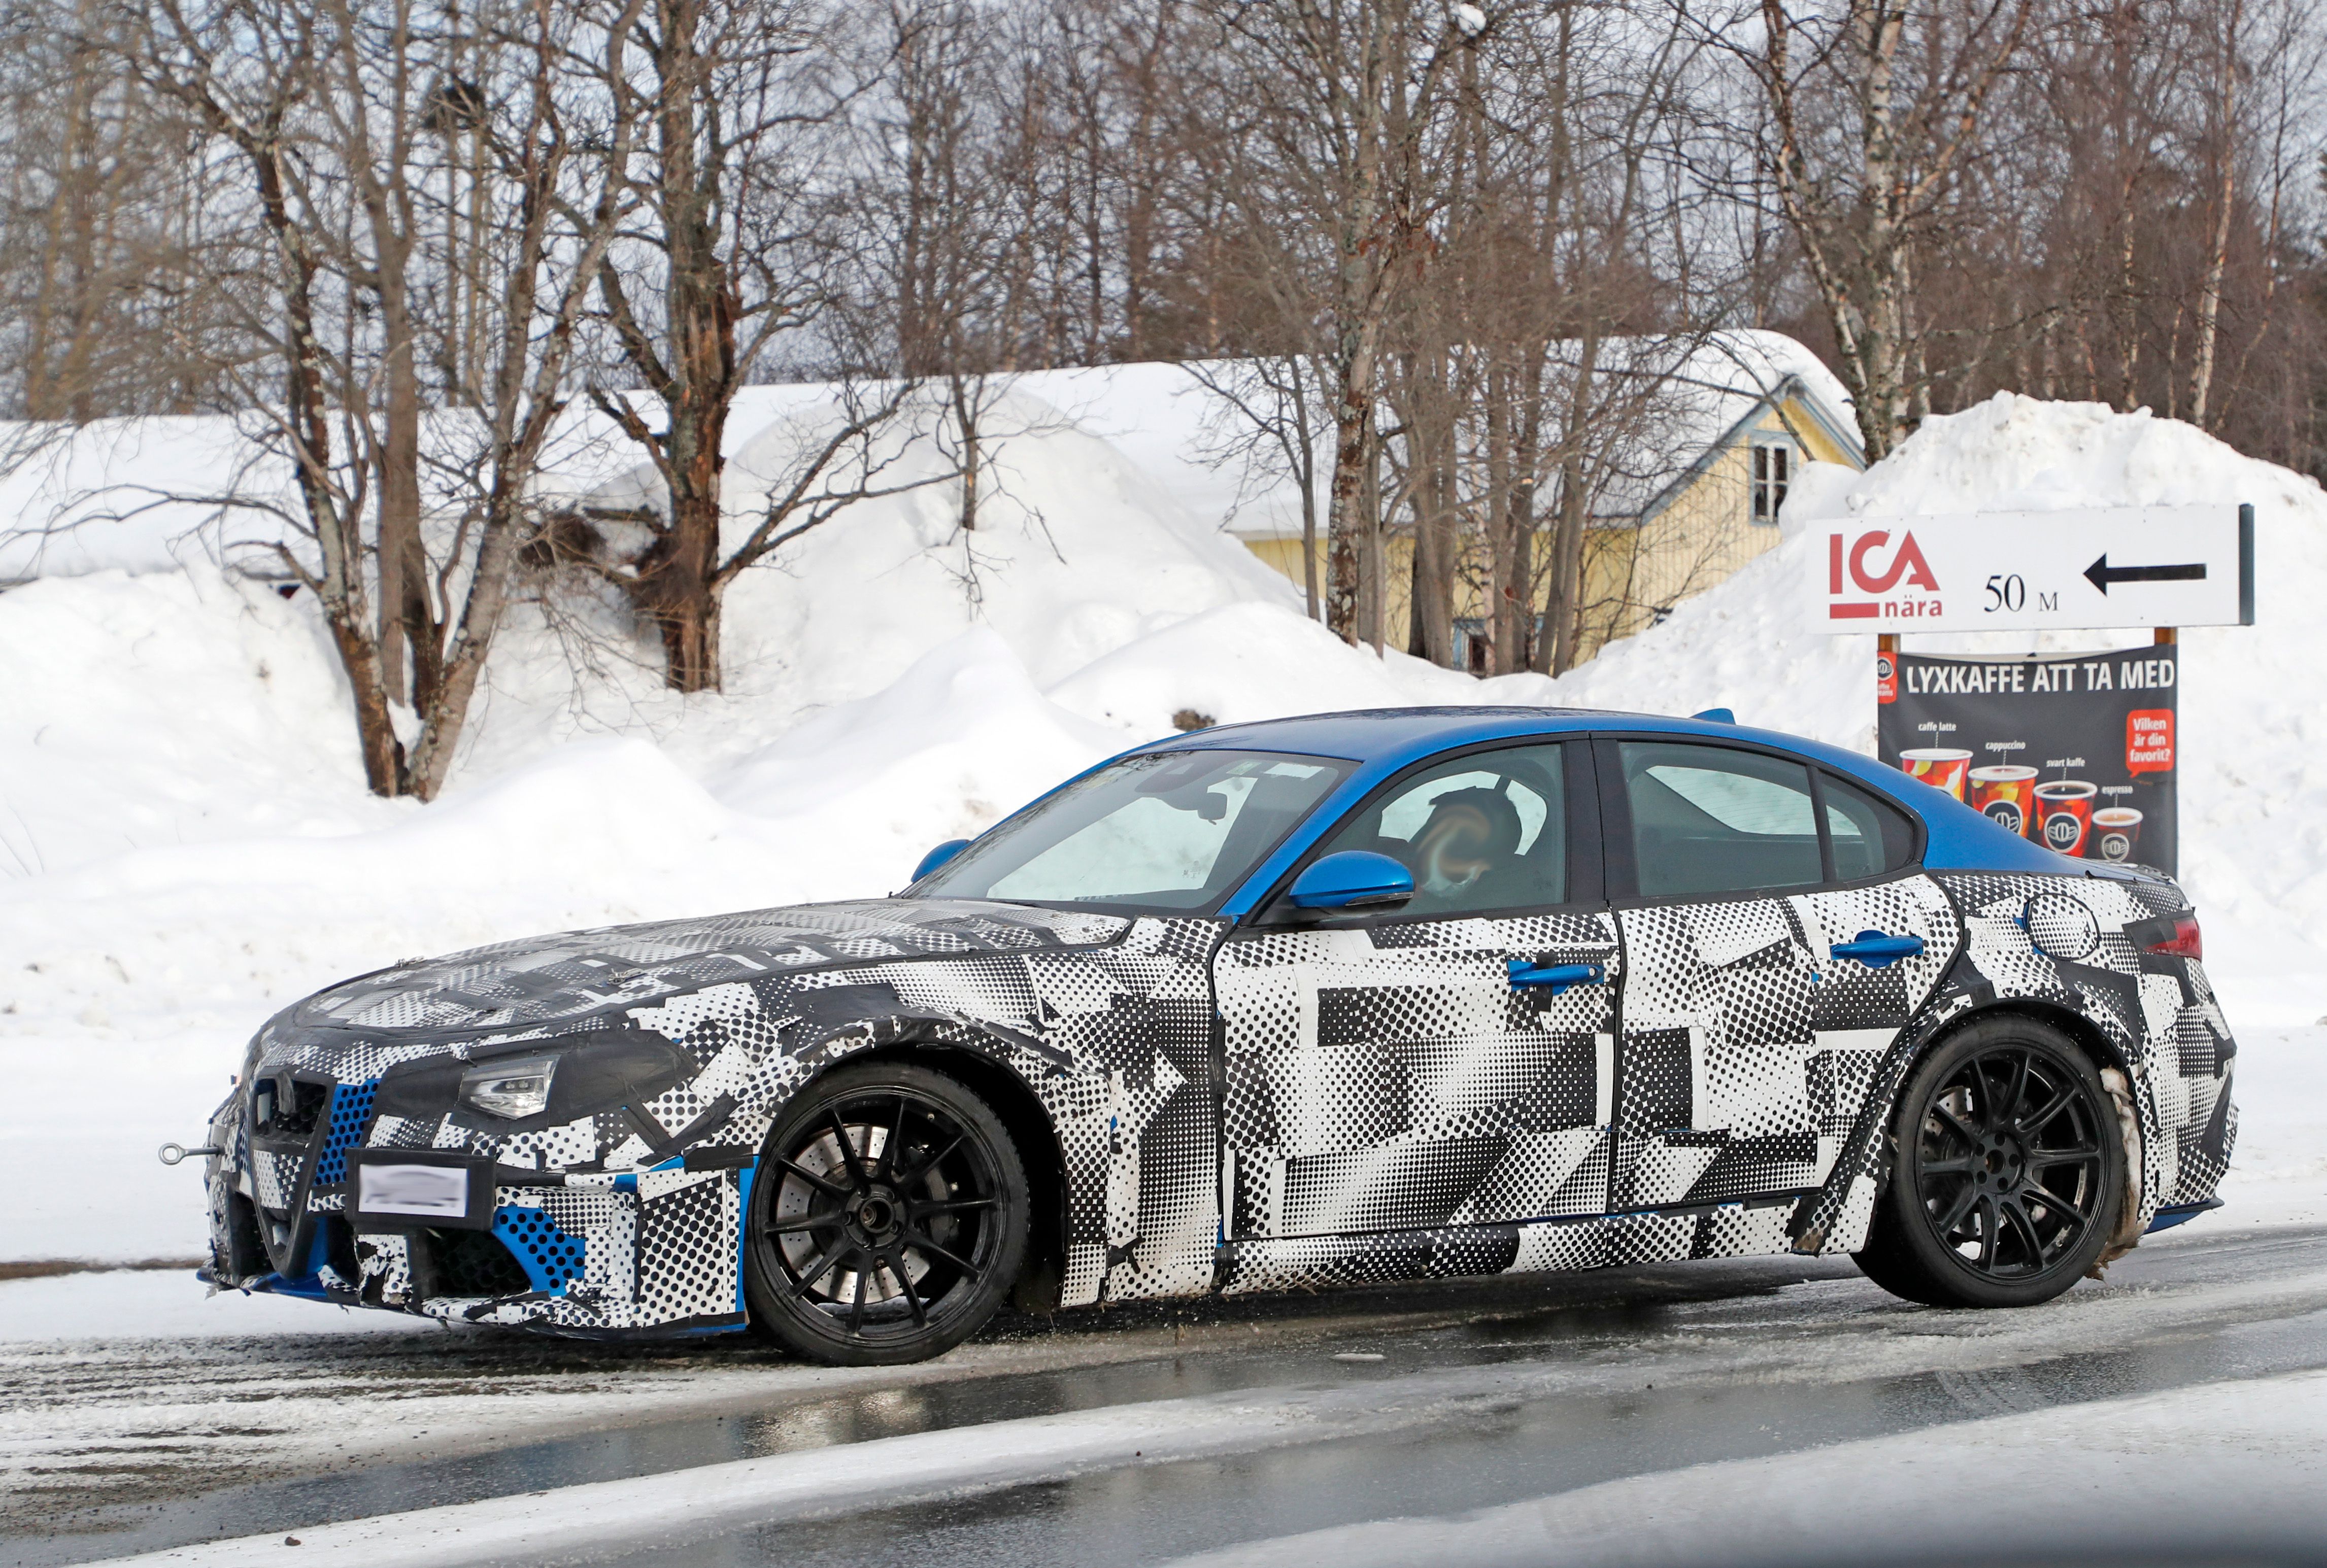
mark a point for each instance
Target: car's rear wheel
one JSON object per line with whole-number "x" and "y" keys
{"x": 888, "y": 1217}
{"x": 2008, "y": 1176}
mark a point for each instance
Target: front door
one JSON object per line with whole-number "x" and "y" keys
{"x": 1770, "y": 964}
{"x": 1450, "y": 1064}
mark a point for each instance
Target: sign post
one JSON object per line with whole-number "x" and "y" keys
{"x": 2074, "y": 750}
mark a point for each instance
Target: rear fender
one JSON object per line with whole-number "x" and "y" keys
{"x": 1836, "y": 1217}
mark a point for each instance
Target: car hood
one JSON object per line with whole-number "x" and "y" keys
{"x": 544, "y": 979}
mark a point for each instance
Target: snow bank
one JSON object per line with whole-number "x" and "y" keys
{"x": 185, "y": 843}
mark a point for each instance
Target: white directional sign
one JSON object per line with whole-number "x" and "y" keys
{"x": 2109, "y": 566}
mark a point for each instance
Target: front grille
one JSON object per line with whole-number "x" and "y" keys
{"x": 289, "y": 1107}
{"x": 286, "y": 1136}
{"x": 351, "y": 1120}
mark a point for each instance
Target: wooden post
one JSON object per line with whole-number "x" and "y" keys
{"x": 2166, "y": 636}
{"x": 1886, "y": 642}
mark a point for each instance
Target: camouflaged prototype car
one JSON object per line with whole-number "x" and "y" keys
{"x": 1356, "y": 997}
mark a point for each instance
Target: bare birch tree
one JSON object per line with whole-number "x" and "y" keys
{"x": 324, "y": 107}
{"x": 1872, "y": 106}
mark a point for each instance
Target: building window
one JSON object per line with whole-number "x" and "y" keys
{"x": 1472, "y": 649}
{"x": 1773, "y": 468}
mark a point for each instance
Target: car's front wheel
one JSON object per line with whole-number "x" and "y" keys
{"x": 2008, "y": 1174}
{"x": 888, "y": 1217}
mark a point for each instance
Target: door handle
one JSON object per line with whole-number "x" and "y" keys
{"x": 1559, "y": 976}
{"x": 1876, "y": 948}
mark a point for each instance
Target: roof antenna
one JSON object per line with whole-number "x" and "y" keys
{"x": 1717, "y": 716}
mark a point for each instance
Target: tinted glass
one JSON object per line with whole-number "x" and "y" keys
{"x": 1171, "y": 830}
{"x": 1871, "y": 836}
{"x": 1706, "y": 819}
{"x": 1484, "y": 831}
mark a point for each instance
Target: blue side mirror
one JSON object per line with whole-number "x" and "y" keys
{"x": 938, "y": 856}
{"x": 1355, "y": 879}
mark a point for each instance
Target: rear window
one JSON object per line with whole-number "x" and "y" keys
{"x": 1872, "y": 836}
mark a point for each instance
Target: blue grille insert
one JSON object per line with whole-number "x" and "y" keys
{"x": 351, "y": 1114}
{"x": 551, "y": 1258}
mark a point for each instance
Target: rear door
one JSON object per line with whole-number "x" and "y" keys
{"x": 1449, "y": 1064}
{"x": 1778, "y": 936}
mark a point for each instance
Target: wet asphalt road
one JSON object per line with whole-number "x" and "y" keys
{"x": 1576, "y": 1380}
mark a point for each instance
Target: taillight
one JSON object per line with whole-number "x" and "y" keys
{"x": 2175, "y": 934}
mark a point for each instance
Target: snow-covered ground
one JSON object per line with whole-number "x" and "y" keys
{"x": 185, "y": 845}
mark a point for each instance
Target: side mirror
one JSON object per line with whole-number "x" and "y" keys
{"x": 1355, "y": 879}
{"x": 938, "y": 856}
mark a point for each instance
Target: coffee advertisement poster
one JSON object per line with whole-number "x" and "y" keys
{"x": 2073, "y": 750}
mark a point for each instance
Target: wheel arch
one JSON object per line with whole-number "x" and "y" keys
{"x": 2082, "y": 1031}
{"x": 981, "y": 1066}
{"x": 1836, "y": 1216}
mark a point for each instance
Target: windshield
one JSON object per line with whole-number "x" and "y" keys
{"x": 1171, "y": 830}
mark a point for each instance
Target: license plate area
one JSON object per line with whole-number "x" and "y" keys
{"x": 404, "y": 1189}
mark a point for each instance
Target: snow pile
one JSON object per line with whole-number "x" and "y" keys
{"x": 185, "y": 841}
{"x": 2253, "y": 744}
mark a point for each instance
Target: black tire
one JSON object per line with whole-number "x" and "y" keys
{"x": 887, "y": 1220}
{"x": 2008, "y": 1175}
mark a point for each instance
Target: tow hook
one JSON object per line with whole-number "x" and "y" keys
{"x": 171, "y": 1153}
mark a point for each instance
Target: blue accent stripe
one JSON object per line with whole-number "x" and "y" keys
{"x": 2176, "y": 1214}
{"x": 744, "y": 1179}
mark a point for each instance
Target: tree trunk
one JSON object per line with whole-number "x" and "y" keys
{"x": 1563, "y": 611}
{"x": 677, "y": 588}
{"x": 2218, "y": 253}
{"x": 1563, "y": 615}
{"x": 407, "y": 615}
{"x": 679, "y": 582}
{"x": 1430, "y": 629}
{"x": 967, "y": 394}
{"x": 481, "y": 616}
{"x": 1515, "y": 647}
{"x": 1348, "y": 529}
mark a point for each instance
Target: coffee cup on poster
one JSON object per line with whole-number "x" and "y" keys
{"x": 2064, "y": 814}
{"x": 2007, "y": 794}
{"x": 1938, "y": 767}
{"x": 2116, "y": 832}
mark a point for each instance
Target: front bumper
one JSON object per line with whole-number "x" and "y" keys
{"x": 613, "y": 1254}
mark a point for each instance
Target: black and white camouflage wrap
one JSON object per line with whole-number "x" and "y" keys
{"x": 2154, "y": 1016}
{"x": 1233, "y": 1107}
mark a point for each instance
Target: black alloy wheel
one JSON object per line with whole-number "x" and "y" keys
{"x": 888, "y": 1217}
{"x": 2008, "y": 1175}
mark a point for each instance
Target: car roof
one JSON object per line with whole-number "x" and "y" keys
{"x": 1384, "y": 734}
{"x": 1385, "y": 741}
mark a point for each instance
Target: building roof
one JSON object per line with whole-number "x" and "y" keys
{"x": 1697, "y": 399}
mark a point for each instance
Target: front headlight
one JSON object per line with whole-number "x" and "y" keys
{"x": 513, "y": 1090}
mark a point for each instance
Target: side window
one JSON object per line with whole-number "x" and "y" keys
{"x": 1484, "y": 831}
{"x": 1708, "y": 819}
{"x": 1871, "y": 836}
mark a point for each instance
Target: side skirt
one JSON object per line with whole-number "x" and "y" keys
{"x": 1750, "y": 1228}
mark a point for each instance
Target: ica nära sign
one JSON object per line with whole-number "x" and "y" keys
{"x": 2101, "y": 566}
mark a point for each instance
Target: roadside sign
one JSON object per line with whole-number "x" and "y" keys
{"x": 2104, "y": 566}
{"x": 2073, "y": 750}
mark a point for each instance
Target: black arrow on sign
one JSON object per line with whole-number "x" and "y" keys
{"x": 2100, "y": 573}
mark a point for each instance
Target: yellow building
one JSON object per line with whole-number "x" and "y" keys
{"x": 1744, "y": 413}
